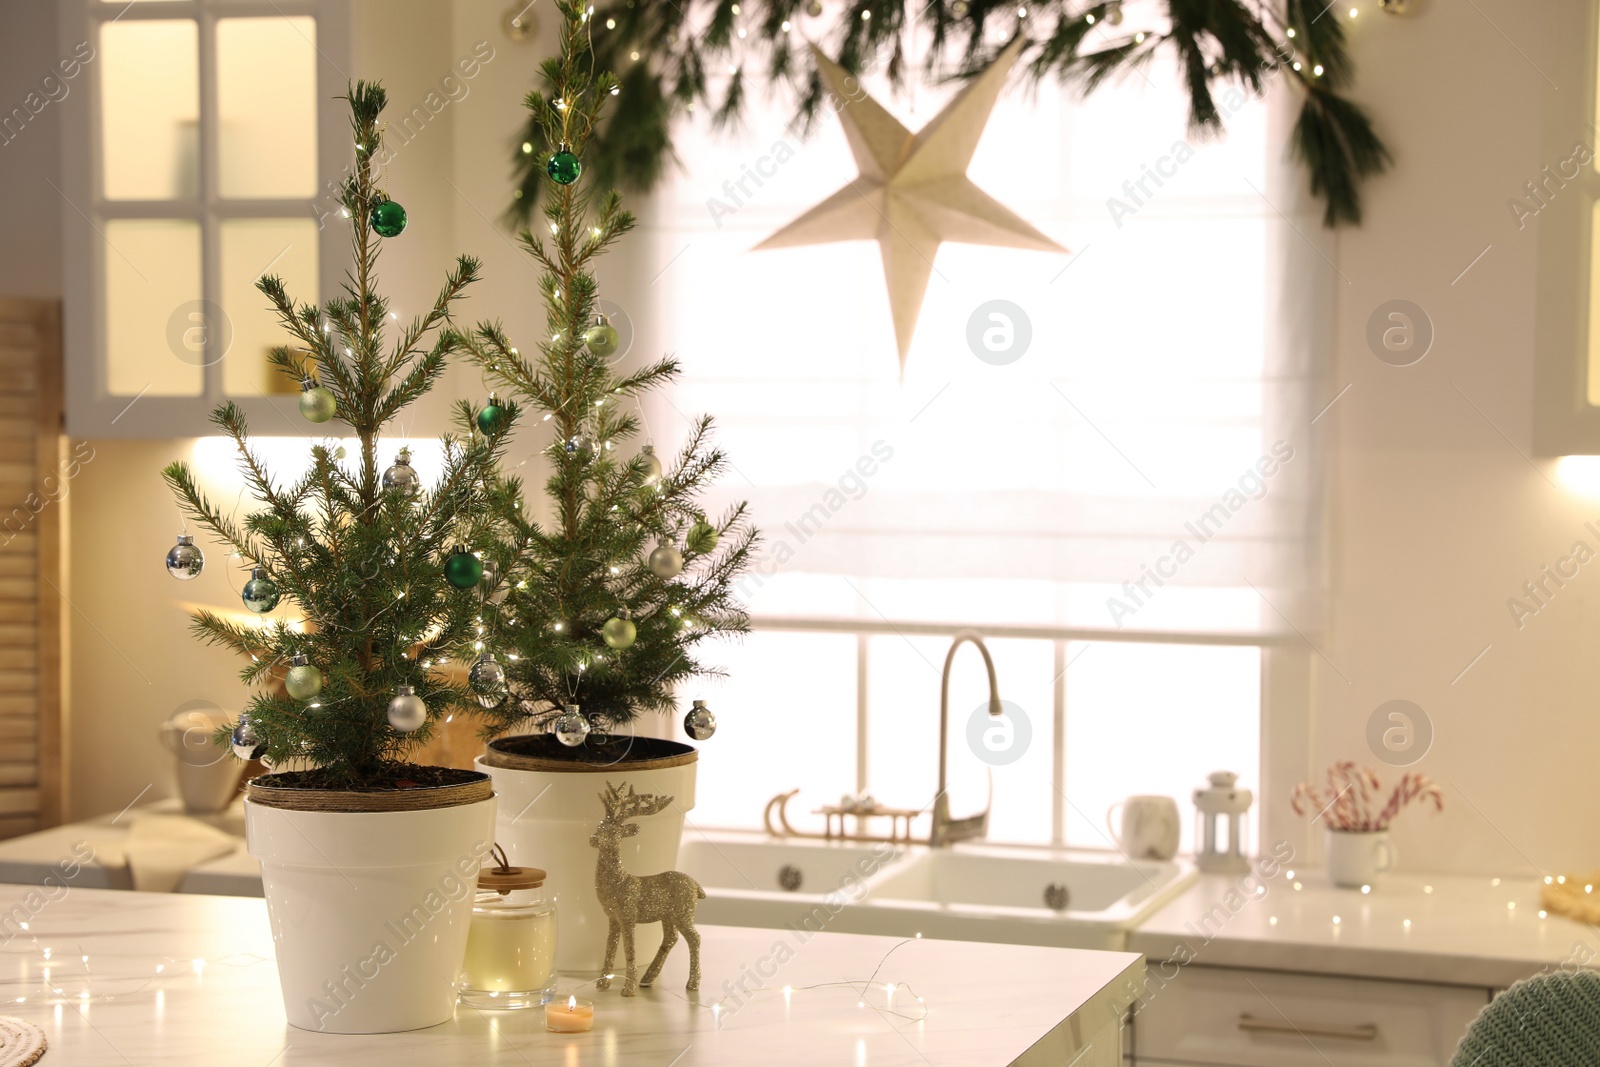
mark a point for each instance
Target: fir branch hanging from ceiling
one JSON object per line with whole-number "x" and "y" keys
{"x": 675, "y": 57}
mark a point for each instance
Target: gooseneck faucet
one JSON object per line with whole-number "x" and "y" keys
{"x": 945, "y": 830}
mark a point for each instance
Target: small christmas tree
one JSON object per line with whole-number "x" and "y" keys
{"x": 366, "y": 557}
{"x": 603, "y": 605}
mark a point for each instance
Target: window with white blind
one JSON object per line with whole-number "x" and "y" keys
{"x": 1129, "y": 508}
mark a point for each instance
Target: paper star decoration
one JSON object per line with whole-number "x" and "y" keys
{"x": 913, "y": 192}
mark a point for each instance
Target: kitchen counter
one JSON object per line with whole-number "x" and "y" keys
{"x": 1449, "y": 929}
{"x": 115, "y": 978}
{"x": 103, "y": 846}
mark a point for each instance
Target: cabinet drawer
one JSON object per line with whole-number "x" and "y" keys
{"x": 1236, "y": 1018}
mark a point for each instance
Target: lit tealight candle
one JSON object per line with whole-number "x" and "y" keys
{"x": 573, "y": 1016}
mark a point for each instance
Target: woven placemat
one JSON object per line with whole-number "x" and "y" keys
{"x": 1576, "y": 896}
{"x": 21, "y": 1043}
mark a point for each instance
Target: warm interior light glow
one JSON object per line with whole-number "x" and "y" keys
{"x": 1580, "y": 474}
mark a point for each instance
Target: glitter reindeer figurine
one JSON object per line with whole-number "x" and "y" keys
{"x": 667, "y": 898}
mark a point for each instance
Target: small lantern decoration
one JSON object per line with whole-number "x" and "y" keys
{"x": 1222, "y": 798}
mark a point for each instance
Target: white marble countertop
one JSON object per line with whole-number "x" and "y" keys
{"x": 118, "y": 978}
{"x": 1459, "y": 930}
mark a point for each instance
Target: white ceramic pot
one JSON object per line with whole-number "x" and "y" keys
{"x": 369, "y": 910}
{"x": 545, "y": 819}
{"x": 1356, "y": 859}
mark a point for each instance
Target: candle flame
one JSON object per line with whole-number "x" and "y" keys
{"x": 572, "y": 1003}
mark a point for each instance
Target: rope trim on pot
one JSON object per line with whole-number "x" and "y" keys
{"x": 494, "y": 756}
{"x": 340, "y": 800}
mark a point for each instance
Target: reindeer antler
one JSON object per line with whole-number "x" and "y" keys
{"x": 620, "y": 806}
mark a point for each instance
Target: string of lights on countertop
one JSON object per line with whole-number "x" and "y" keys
{"x": 64, "y": 977}
{"x": 864, "y": 989}
{"x": 65, "y": 974}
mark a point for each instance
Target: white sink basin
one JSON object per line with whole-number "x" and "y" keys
{"x": 972, "y": 892}
{"x": 756, "y": 880}
{"x": 758, "y": 864}
{"x": 1036, "y": 885}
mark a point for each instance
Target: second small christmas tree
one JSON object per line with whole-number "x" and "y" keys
{"x": 592, "y": 616}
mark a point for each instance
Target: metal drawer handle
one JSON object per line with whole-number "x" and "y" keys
{"x": 1365, "y": 1032}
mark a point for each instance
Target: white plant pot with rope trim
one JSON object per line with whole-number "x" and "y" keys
{"x": 548, "y": 810}
{"x": 369, "y": 909}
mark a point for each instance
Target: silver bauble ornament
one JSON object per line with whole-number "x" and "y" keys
{"x": 303, "y": 680}
{"x": 1114, "y": 13}
{"x": 570, "y": 727}
{"x": 700, "y": 724}
{"x": 652, "y": 464}
{"x": 490, "y": 580}
{"x": 488, "y": 680}
{"x": 407, "y": 712}
{"x": 619, "y": 632}
{"x": 959, "y": 9}
{"x": 246, "y": 744}
{"x": 184, "y": 559}
{"x": 402, "y": 475}
{"x": 495, "y": 591}
{"x": 814, "y": 8}
{"x": 666, "y": 561}
{"x": 581, "y": 445}
{"x": 260, "y": 594}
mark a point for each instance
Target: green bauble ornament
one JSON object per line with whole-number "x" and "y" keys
{"x": 563, "y": 167}
{"x": 463, "y": 569}
{"x": 388, "y": 218}
{"x": 303, "y": 680}
{"x": 316, "y": 402}
{"x": 260, "y": 593}
{"x": 702, "y": 536}
{"x": 602, "y": 338}
{"x": 491, "y": 417}
{"x": 619, "y": 633}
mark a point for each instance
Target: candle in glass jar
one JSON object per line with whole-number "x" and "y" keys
{"x": 511, "y": 940}
{"x": 570, "y": 1016}
{"x": 510, "y": 952}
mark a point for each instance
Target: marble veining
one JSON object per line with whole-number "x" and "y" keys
{"x": 117, "y": 978}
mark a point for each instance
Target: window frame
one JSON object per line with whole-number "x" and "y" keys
{"x": 92, "y": 410}
{"x": 1564, "y": 422}
{"x": 1285, "y": 717}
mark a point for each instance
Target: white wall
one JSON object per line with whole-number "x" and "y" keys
{"x": 1438, "y": 514}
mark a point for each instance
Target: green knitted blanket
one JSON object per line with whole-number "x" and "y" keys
{"x": 1551, "y": 1020}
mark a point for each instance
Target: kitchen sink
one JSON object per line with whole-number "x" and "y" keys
{"x": 1040, "y": 885}
{"x": 971, "y": 892}
{"x": 756, "y": 864}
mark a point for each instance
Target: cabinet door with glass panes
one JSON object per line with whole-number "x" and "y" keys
{"x": 203, "y": 153}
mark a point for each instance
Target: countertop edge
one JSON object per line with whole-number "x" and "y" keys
{"x": 1075, "y": 1034}
{"x": 1373, "y": 964}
